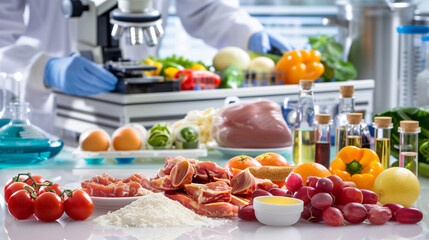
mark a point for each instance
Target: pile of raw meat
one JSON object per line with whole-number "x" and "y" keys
{"x": 203, "y": 187}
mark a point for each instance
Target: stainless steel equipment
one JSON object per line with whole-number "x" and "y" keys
{"x": 101, "y": 25}
{"x": 368, "y": 32}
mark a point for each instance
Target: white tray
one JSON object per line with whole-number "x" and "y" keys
{"x": 199, "y": 152}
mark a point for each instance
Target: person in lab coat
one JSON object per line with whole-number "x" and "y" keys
{"x": 36, "y": 39}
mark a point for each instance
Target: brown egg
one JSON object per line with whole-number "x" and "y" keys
{"x": 95, "y": 141}
{"x": 126, "y": 139}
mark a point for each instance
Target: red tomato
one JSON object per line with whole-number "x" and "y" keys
{"x": 14, "y": 187}
{"x": 10, "y": 181}
{"x": 48, "y": 207}
{"x": 39, "y": 179}
{"x": 21, "y": 205}
{"x": 56, "y": 187}
{"x": 79, "y": 205}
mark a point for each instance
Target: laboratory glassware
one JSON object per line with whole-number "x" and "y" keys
{"x": 323, "y": 139}
{"x": 303, "y": 131}
{"x": 382, "y": 132}
{"x": 408, "y": 145}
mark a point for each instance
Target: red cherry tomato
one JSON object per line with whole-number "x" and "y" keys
{"x": 56, "y": 187}
{"x": 14, "y": 187}
{"x": 79, "y": 205}
{"x": 21, "y": 205}
{"x": 10, "y": 181}
{"x": 48, "y": 207}
{"x": 39, "y": 179}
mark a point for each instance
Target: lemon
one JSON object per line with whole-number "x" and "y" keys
{"x": 397, "y": 185}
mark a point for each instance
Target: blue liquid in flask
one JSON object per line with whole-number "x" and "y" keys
{"x": 23, "y": 143}
{"x": 4, "y": 122}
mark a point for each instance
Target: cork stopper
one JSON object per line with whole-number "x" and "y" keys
{"x": 306, "y": 84}
{"x": 323, "y": 118}
{"x": 354, "y": 118}
{"x": 347, "y": 91}
{"x": 383, "y": 122}
{"x": 409, "y": 126}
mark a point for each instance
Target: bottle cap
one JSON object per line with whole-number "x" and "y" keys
{"x": 383, "y": 122}
{"x": 409, "y": 126}
{"x": 347, "y": 91}
{"x": 354, "y": 118}
{"x": 323, "y": 118}
{"x": 306, "y": 84}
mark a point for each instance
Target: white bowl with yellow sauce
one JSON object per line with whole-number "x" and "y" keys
{"x": 278, "y": 211}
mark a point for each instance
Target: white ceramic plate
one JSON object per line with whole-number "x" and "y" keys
{"x": 110, "y": 203}
{"x": 253, "y": 152}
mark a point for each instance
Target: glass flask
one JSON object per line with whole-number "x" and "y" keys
{"x": 353, "y": 133}
{"x": 323, "y": 139}
{"x": 409, "y": 145}
{"x": 23, "y": 143}
{"x": 382, "y": 133}
{"x": 347, "y": 105}
{"x": 304, "y": 129}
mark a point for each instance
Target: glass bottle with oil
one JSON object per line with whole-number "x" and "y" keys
{"x": 353, "y": 133}
{"x": 408, "y": 145}
{"x": 303, "y": 130}
{"x": 346, "y": 105}
{"x": 382, "y": 133}
{"x": 323, "y": 139}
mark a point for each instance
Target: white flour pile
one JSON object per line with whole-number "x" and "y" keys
{"x": 156, "y": 210}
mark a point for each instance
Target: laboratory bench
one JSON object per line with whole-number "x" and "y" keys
{"x": 63, "y": 169}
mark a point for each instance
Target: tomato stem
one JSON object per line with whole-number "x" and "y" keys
{"x": 67, "y": 192}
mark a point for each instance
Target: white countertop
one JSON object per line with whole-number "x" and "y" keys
{"x": 65, "y": 228}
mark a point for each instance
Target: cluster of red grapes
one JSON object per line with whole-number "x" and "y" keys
{"x": 333, "y": 201}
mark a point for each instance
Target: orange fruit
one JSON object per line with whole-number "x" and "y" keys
{"x": 241, "y": 162}
{"x": 273, "y": 159}
{"x": 311, "y": 169}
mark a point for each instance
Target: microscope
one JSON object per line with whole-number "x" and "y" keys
{"x": 102, "y": 24}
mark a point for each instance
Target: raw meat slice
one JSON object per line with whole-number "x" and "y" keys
{"x": 182, "y": 174}
{"x": 171, "y": 162}
{"x": 265, "y": 184}
{"x": 243, "y": 183}
{"x": 210, "y": 192}
{"x": 253, "y": 124}
{"x": 163, "y": 184}
{"x": 217, "y": 209}
{"x": 208, "y": 171}
{"x": 239, "y": 202}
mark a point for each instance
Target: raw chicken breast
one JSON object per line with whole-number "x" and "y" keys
{"x": 255, "y": 124}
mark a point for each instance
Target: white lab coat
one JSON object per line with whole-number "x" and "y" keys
{"x": 27, "y": 44}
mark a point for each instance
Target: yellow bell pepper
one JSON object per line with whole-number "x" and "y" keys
{"x": 170, "y": 72}
{"x": 360, "y": 166}
{"x": 198, "y": 66}
{"x": 156, "y": 72}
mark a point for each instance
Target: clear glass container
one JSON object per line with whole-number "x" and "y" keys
{"x": 323, "y": 139}
{"x": 353, "y": 133}
{"x": 346, "y": 105}
{"x": 23, "y": 143}
{"x": 304, "y": 129}
{"x": 408, "y": 145}
{"x": 382, "y": 132}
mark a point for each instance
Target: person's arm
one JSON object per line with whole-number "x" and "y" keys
{"x": 219, "y": 23}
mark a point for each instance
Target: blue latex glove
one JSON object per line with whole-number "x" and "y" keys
{"x": 263, "y": 42}
{"x": 78, "y": 76}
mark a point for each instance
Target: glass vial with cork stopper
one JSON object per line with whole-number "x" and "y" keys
{"x": 323, "y": 139}
{"x": 382, "y": 132}
{"x": 346, "y": 105}
{"x": 353, "y": 133}
{"x": 408, "y": 145}
{"x": 303, "y": 130}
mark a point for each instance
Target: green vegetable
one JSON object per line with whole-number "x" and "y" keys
{"x": 232, "y": 77}
{"x": 160, "y": 136}
{"x": 423, "y": 169}
{"x": 331, "y": 53}
{"x": 181, "y": 61}
{"x": 420, "y": 114}
{"x": 189, "y": 134}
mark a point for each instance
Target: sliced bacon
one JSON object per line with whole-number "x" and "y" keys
{"x": 210, "y": 192}
{"x": 265, "y": 184}
{"x": 217, "y": 209}
{"x": 210, "y": 170}
{"x": 163, "y": 184}
{"x": 239, "y": 202}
